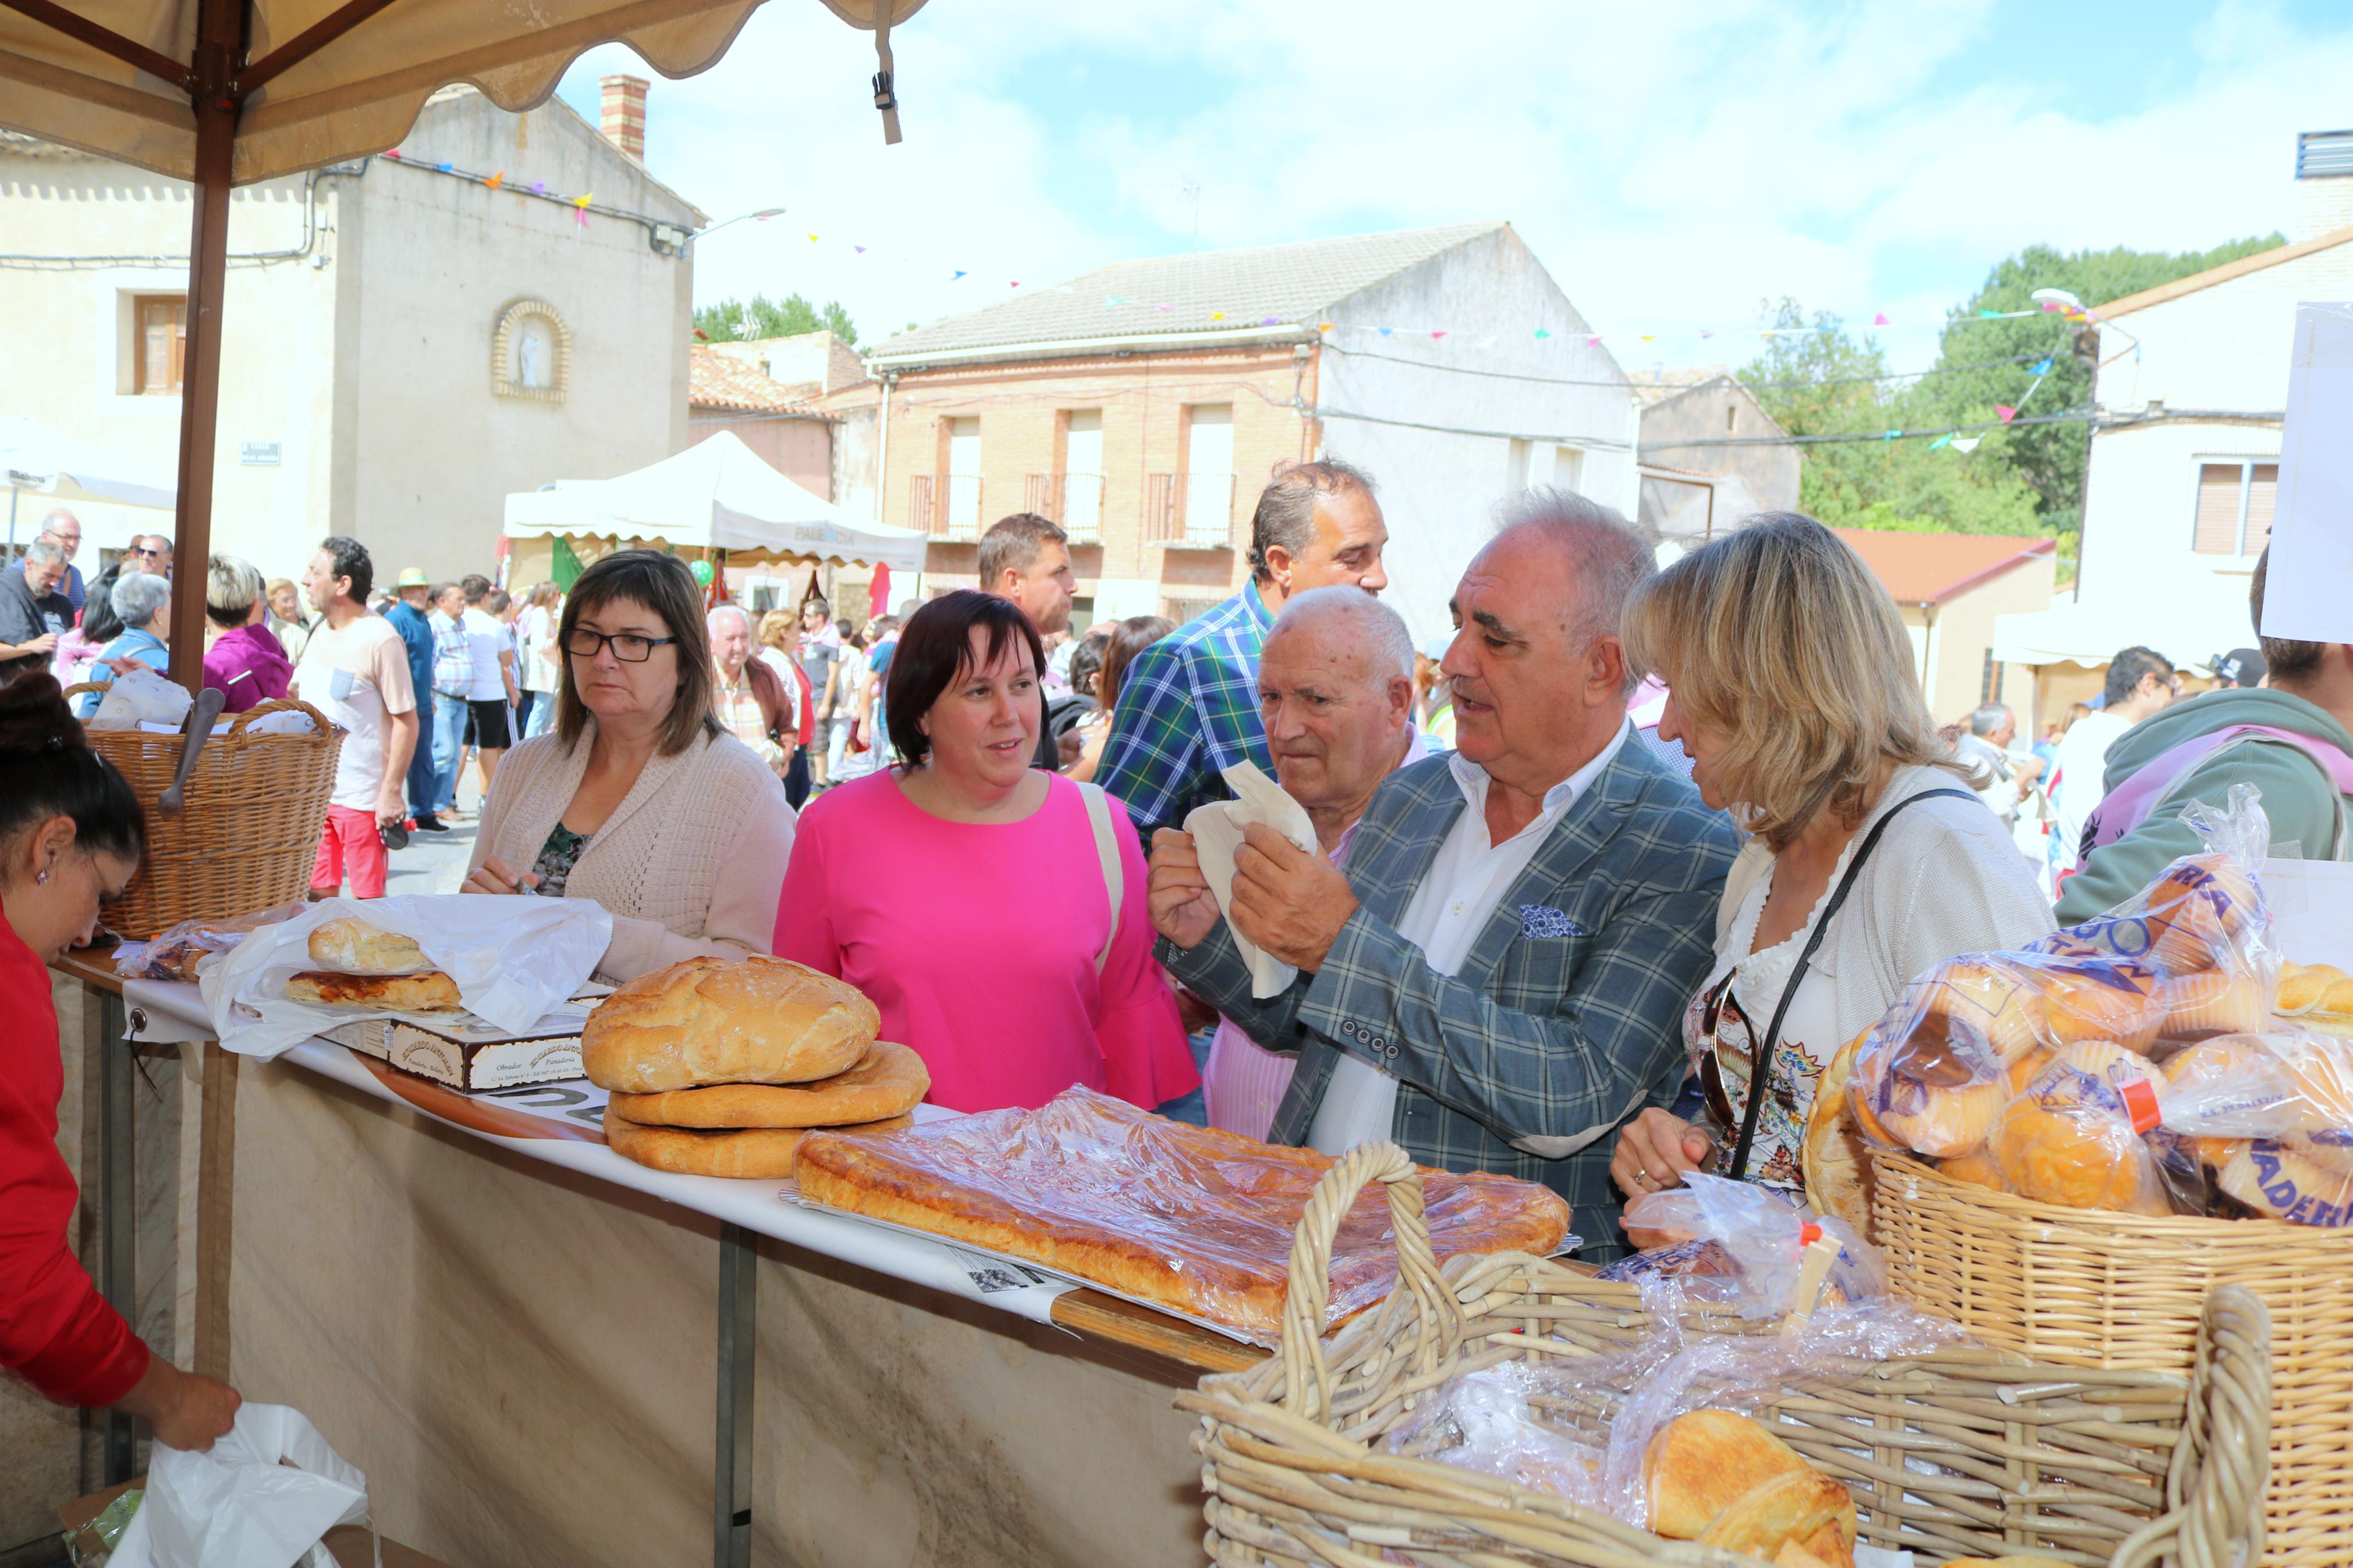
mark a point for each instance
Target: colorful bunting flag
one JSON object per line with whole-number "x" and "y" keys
{"x": 2004, "y": 412}
{"x": 1880, "y": 319}
{"x": 1217, "y": 315}
{"x": 495, "y": 181}
{"x": 1967, "y": 443}
{"x": 1944, "y": 440}
{"x": 582, "y": 202}
{"x": 2041, "y": 369}
{"x": 1541, "y": 333}
{"x": 960, "y": 272}
{"x": 443, "y": 168}
{"x": 1891, "y": 435}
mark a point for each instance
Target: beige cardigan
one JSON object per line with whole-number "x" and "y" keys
{"x": 691, "y": 861}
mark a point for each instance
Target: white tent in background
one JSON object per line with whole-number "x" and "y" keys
{"x": 715, "y": 495}
{"x": 36, "y": 461}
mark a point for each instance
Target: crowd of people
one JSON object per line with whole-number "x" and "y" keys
{"x": 1591, "y": 889}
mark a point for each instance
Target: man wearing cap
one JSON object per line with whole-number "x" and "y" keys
{"x": 408, "y": 618}
{"x": 2242, "y": 668}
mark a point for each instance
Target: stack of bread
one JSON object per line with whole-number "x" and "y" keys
{"x": 721, "y": 1067}
{"x": 1722, "y": 1480}
{"x": 379, "y": 971}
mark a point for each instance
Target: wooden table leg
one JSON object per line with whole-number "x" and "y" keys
{"x": 739, "y": 1327}
{"x": 215, "y": 1193}
{"x": 118, "y": 1200}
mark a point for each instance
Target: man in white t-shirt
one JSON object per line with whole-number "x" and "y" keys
{"x": 492, "y": 696}
{"x": 354, "y": 670}
{"x": 2141, "y": 681}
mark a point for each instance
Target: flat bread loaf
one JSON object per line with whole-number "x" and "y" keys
{"x": 431, "y": 992}
{"x": 349, "y": 946}
{"x": 1702, "y": 1463}
{"x": 888, "y": 1080}
{"x": 766, "y": 1152}
{"x": 708, "y": 1020}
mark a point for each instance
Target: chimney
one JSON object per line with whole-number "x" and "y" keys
{"x": 2323, "y": 183}
{"x": 625, "y": 114}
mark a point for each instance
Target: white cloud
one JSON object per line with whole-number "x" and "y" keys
{"x": 1672, "y": 164}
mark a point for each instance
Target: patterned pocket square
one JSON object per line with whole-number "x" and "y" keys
{"x": 1543, "y": 920}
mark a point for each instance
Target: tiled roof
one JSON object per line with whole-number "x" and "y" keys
{"x": 2258, "y": 262}
{"x": 1240, "y": 292}
{"x": 1656, "y": 386}
{"x": 715, "y": 380}
{"x": 1930, "y": 568}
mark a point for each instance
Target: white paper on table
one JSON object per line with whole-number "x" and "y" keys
{"x": 1217, "y": 830}
{"x": 513, "y": 959}
{"x": 2308, "y": 591}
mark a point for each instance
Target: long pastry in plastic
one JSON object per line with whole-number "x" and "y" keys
{"x": 888, "y": 1080}
{"x": 768, "y": 1153}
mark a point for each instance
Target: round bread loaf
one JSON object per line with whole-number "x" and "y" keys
{"x": 766, "y": 1152}
{"x": 350, "y": 946}
{"x": 708, "y": 1020}
{"x": 889, "y": 1079}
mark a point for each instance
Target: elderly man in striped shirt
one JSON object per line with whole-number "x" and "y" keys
{"x": 1188, "y": 706}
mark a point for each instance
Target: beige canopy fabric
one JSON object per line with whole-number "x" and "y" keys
{"x": 359, "y": 93}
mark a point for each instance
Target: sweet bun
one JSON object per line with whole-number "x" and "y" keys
{"x": 750, "y": 1152}
{"x": 2098, "y": 999}
{"x": 1702, "y": 1463}
{"x": 2070, "y": 1140}
{"x": 2283, "y": 1179}
{"x": 1983, "y": 999}
{"x": 889, "y": 1079}
{"x": 708, "y": 1020}
{"x": 2303, "y": 986}
{"x": 2199, "y": 906}
{"x": 350, "y": 946}
{"x": 2214, "y": 1002}
{"x": 1938, "y": 1119}
{"x": 1977, "y": 1168}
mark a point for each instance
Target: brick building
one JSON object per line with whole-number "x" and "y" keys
{"x": 1144, "y": 405}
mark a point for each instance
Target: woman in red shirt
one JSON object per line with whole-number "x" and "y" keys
{"x": 70, "y": 834}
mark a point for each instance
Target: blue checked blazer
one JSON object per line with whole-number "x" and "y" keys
{"x": 1566, "y": 1017}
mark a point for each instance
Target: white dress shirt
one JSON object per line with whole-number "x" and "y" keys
{"x": 1444, "y": 919}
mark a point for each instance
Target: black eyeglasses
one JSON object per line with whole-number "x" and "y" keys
{"x": 627, "y": 647}
{"x": 145, "y": 549}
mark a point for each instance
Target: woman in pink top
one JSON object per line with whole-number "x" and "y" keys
{"x": 965, "y": 891}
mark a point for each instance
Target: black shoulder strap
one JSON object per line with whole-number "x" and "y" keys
{"x": 1759, "y": 1064}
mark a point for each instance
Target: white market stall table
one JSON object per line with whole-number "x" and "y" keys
{"x": 511, "y": 1328}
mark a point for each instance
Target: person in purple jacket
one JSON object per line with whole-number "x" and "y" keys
{"x": 245, "y": 658}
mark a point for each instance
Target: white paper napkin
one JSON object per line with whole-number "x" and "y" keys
{"x": 1217, "y": 831}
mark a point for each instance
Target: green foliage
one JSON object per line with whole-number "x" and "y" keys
{"x": 2022, "y": 480}
{"x": 733, "y": 321}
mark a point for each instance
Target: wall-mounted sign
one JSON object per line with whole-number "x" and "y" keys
{"x": 259, "y": 455}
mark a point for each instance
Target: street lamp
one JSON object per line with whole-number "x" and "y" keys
{"x": 677, "y": 239}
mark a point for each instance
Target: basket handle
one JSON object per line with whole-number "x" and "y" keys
{"x": 1307, "y": 1381}
{"x": 276, "y": 705}
{"x": 2214, "y": 1488}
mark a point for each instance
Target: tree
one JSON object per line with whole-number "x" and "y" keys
{"x": 732, "y": 321}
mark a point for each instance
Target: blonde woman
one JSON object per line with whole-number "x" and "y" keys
{"x": 1791, "y": 687}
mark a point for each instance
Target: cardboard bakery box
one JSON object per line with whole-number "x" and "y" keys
{"x": 469, "y": 1054}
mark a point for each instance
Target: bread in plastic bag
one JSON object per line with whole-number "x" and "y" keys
{"x": 1189, "y": 1219}
{"x": 1583, "y": 1426}
{"x": 2262, "y": 1124}
{"x": 1743, "y": 1244}
{"x": 2074, "y": 1137}
{"x": 175, "y": 954}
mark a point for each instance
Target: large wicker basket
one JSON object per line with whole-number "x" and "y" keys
{"x": 1963, "y": 1452}
{"x": 250, "y": 832}
{"x": 2089, "y": 1288}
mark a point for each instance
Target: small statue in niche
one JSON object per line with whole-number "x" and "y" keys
{"x": 532, "y": 355}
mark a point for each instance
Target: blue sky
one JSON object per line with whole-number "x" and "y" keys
{"x": 1672, "y": 164}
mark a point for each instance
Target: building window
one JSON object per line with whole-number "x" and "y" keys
{"x": 964, "y": 477}
{"x": 160, "y": 352}
{"x": 1535, "y": 463}
{"x": 1991, "y": 688}
{"x": 2234, "y": 508}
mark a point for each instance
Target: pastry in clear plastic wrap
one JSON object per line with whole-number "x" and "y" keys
{"x": 2074, "y": 1137}
{"x": 1189, "y": 1218}
{"x": 2197, "y": 908}
{"x": 1977, "y": 1168}
{"x": 2289, "y": 1179}
{"x": 2262, "y": 1086}
{"x": 2212, "y": 1002}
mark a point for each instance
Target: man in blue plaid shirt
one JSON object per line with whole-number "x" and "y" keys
{"x": 1188, "y": 704}
{"x": 1497, "y": 980}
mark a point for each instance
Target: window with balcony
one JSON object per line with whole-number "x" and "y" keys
{"x": 964, "y": 478}
{"x": 1074, "y": 496}
{"x": 2235, "y": 507}
{"x": 1195, "y": 508}
{"x": 159, "y": 350}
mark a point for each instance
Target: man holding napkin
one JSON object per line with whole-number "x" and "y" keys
{"x": 1495, "y": 982}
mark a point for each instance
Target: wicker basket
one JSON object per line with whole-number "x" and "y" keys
{"x": 2128, "y": 1468}
{"x": 2089, "y": 1288}
{"x": 250, "y": 833}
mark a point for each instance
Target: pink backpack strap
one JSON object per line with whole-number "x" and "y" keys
{"x": 2129, "y": 805}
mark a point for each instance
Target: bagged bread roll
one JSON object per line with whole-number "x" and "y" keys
{"x": 2214, "y": 1002}
{"x": 2074, "y": 1138}
{"x": 351, "y": 946}
{"x": 2198, "y": 911}
{"x": 2290, "y": 1180}
{"x": 1977, "y": 1168}
{"x": 708, "y": 1020}
{"x": 2261, "y": 1086}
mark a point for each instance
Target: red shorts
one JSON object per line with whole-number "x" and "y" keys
{"x": 351, "y": 841}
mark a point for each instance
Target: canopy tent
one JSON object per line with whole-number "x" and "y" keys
{"x": 37, "y": 461}
{"x": 224, "y": 92}
{"x": 2091, "y": 632}
{"x": 715, "y": 495}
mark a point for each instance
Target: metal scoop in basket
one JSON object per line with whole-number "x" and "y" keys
{"x": 198, "y": 729}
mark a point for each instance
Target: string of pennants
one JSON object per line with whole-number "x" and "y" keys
{"x": 582, "y": 204}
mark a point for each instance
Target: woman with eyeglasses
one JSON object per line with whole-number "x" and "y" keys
{"x": 638, "y": 798}
{"x": 1870, "y": 860}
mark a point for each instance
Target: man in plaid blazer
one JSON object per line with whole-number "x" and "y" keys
{"x": 1498, "y": 979}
